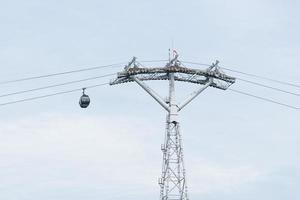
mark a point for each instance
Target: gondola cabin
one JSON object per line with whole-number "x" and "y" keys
{"x": 84, "y": 100}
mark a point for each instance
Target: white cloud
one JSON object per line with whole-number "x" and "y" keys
{"x": 65, "y": 152}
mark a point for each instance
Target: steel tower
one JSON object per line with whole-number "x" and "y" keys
{"x": 173, "y": 185}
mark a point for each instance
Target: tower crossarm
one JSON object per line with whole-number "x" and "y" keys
{"x": 197, "y": 76}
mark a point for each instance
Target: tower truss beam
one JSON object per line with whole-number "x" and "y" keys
{"x": 152, "y": 93}
{"x": 194, "y": 95}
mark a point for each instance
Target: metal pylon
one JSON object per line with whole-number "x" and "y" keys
{"x": 173, "y": 184}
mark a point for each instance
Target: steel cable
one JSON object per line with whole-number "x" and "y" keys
{"x": 50, "y": 95}
{"x": 56, "y": 85}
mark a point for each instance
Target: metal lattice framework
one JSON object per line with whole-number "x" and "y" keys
{"x": 173, "y": 179}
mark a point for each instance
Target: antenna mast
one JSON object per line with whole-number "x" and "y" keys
{"x": 173, "y": 184}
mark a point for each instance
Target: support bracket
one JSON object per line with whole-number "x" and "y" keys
{"x": 193, "y": 95}
{"x": 152, "y": 93}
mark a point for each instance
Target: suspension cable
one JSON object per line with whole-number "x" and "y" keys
{"x": 56, "y": 85}
{"x": 249, "y": 74}
{"x": 50, "y": 95}
{"x": 73, "y": 71}
{"x": 262, "y": 77}
{"x": 269, "y": 87}
{"x": 264, "y": 99}
{"x": 60, "y": 73}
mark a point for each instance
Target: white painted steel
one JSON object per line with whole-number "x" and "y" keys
{"x": 193, "y": 96}
{"x": 173, "y": 184}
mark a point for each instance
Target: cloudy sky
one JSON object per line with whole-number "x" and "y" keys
{"x": 236, "y": 147}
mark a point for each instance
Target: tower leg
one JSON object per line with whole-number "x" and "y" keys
{"x": 173, "y": 180}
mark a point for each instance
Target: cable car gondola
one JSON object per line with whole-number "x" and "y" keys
{"x": 84, "y": 100}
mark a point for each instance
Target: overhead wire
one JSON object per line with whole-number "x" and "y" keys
{"x": 50, "y": 95}
{"x": 61, "y": 84}
{"x": 253, "y": 82}
{"x": 102, "y": 84}
{"x": 264, "y": 78}
{"x": 248, "y": 74}
{"x": 57, "y": 85}
{"x": 59, "y": 73}
{"x": 264, "y": 99}
{"x": 72, "y": 71}
{"x": 258, "y": 84}
{"x": 269, "y": 87}
{"x": 145, "y": 61}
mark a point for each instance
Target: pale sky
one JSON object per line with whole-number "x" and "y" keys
{"x": 236, "y": 147}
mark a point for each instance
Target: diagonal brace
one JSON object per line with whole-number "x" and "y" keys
{"x": 152, "y": 93}
{"x": 193, "y": 95}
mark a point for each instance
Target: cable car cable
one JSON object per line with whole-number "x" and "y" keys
{"x": 50, "y": 95}
{"x": 60, "y": 73}
{"x": 264, "y": 99}
{"x": 56, "y": 85}
{"x": 98, "y": 85}
{"x": 91, "y": 78}
{"x": 72, "y": 71}
{"x": 249, "y": 74}
{"x": 269, "y": 87}
{"x": 264, "y": 78}
{"x": 254, "y": 83}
